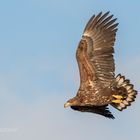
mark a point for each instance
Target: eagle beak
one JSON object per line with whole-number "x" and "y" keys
{"x": 67, "y": 104}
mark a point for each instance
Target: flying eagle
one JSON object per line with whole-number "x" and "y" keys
{"x": 98, "y": 85}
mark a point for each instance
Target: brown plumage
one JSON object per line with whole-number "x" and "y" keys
{"x": 98, "y": 85}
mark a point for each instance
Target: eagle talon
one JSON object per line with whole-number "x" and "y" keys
{"x": 118, "y": 97}
{"x": 116, "y": 101}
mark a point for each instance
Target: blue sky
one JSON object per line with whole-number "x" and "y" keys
{"x": 38, "y": 69}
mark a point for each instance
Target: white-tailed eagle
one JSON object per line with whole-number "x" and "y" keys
{"x": 98, "y": 85}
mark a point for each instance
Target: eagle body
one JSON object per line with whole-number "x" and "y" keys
{"x": 98, "y": 85}
{"x": 98, "y": 99}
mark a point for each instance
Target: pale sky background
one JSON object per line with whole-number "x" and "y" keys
{"x": 38, "y": 69}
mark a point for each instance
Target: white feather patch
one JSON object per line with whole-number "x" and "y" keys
{"x": 130, "y": 96}
{"x": 130, "y": 90}
{"x": 120, "y": 82}
{"x": 122, "y": 105}
{"x": 129, "y": 99}
{"x": 126, "y": 102}
{"x": 128, "y": 87}
{"x": 124, "y": 84}
{"x": 118, "y": 78}
{"x": 119, "y": 107}
{"x": 88, "y": 34}
{"x": 132, "y": 93}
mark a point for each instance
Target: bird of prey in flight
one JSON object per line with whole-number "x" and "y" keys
{"x": 98, "y": 85}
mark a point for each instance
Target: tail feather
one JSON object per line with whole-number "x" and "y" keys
{"x": 127, "y": 91}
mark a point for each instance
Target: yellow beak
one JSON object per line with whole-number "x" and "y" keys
{"x": 67, "y": 104}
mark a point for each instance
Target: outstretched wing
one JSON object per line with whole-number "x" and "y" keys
{"x": 95, "y": 50}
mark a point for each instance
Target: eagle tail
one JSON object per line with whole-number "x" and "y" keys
{"x": 125, "y": 93}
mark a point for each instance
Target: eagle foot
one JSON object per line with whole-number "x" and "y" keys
{"x": 117, "y": 101}
{"x": 118, "y": 97}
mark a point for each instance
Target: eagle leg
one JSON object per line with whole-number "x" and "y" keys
{"x": 118, "y": 96}
{"x": 117, "y": 101}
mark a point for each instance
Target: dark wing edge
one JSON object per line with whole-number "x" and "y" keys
{"x": 100, "y": 32}
{"x": 101, "y": 110}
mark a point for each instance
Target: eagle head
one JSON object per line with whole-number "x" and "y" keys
{"x": 72, "y": 102}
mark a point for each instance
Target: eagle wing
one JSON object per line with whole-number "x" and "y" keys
{"x": 101, "y": 110}
{"x": 95, "y": 51}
